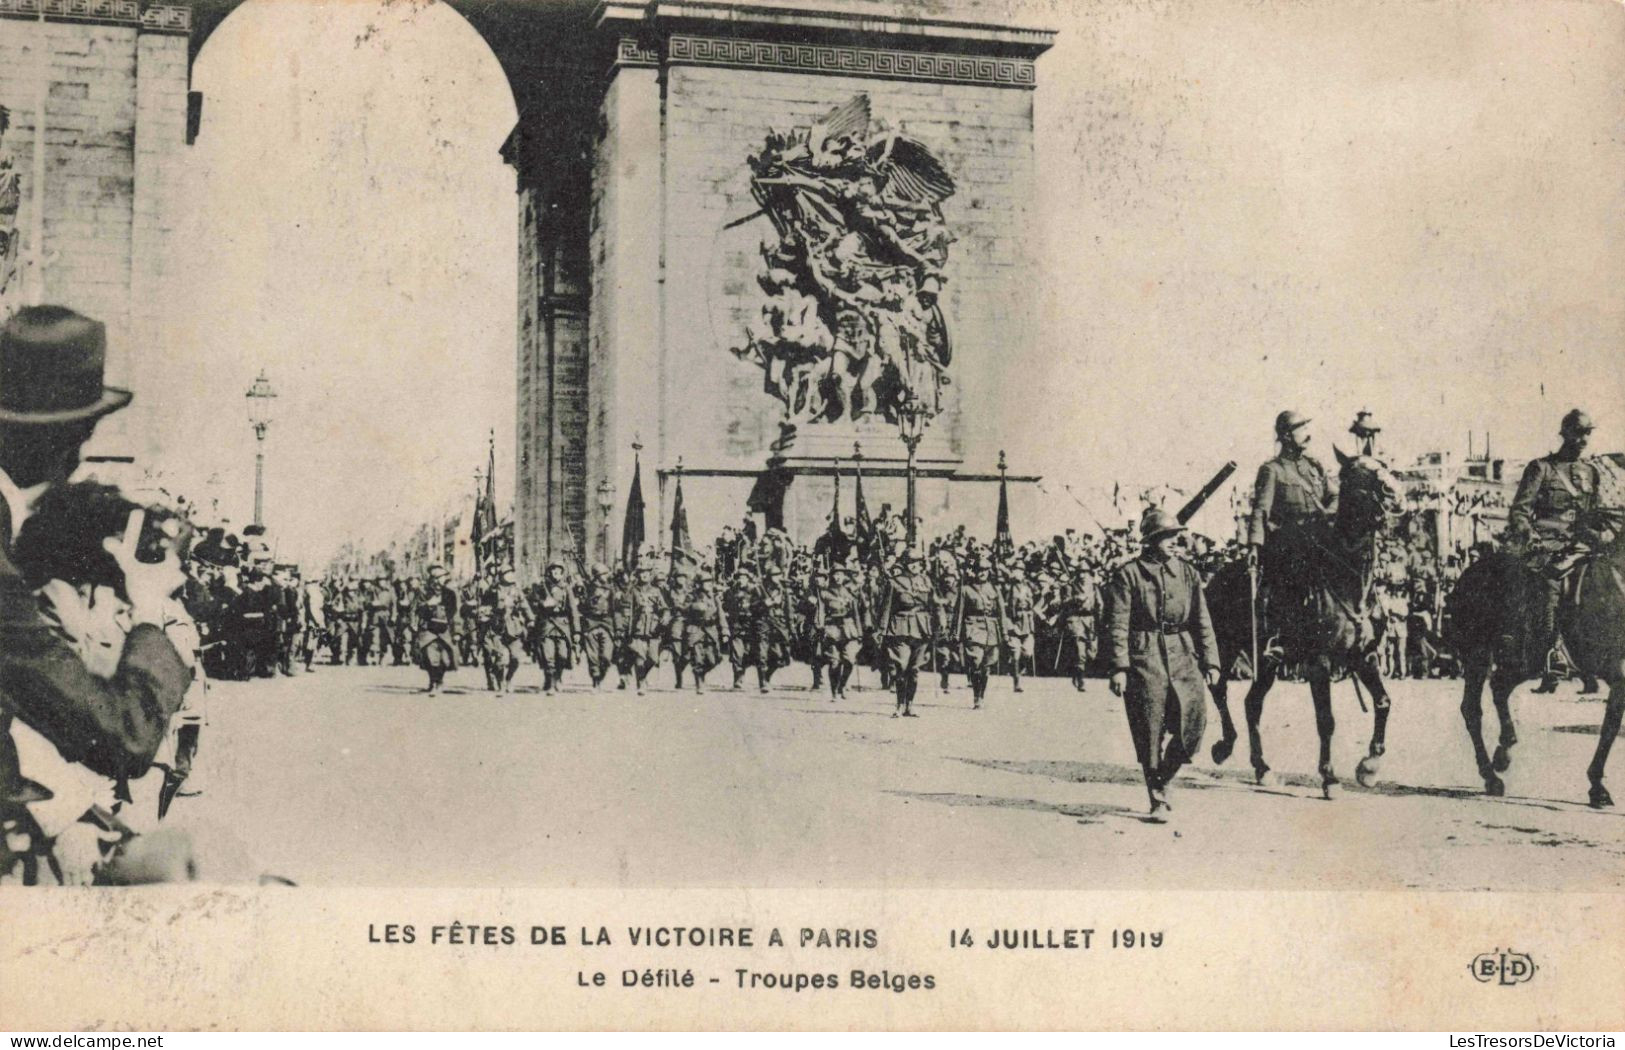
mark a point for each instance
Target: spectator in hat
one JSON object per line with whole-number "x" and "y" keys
{"x": 51, "y": 398}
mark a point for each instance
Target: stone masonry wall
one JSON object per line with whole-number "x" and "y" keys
{"x": 115, "y": 126}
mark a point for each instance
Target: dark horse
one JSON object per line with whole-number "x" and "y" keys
{"x": 1336, "y": 628}
{"x": 1486, "y": 629}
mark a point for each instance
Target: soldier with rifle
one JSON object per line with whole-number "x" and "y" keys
{"x": 597, "y": 626}
{"x": 558, "y": 627}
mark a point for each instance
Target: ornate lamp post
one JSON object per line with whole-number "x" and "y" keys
{"x": 606, "y": 504}
{"x": 911, "y": 419}
{"x": 260, "y": 396}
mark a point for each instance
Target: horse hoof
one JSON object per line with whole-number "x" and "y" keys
{"x": 1600, "y": 798}
{"x": 1330, "y": 789}
{"x": 1221, "y": 751}
{"x": 1503, "y": 759}
{"x": 1494, "y": 786}
{"x": 1266, "y": 778}
{"x": 1366, "y": 771}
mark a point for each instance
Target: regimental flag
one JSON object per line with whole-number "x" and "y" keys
{"x": 1002, "y": 541}
{"x": 833, "y": 546}
{"x": 681, "y": 546}
{"x": 632, "y": 528}
{"x": 484, "y": 525}
{"x": 861, "y": 525}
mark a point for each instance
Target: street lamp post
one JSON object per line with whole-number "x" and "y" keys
{"x": 911, "y": 418}
{"x": 260, "y": 396}
{"x": 606, "y": 504}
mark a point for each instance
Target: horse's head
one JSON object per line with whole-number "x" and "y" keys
{"x": 1368, "y": 494}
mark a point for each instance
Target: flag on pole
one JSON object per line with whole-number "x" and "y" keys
{"x": 632, "y": 528}
{"x": 1002, "y": 541}
{"x": 833, "y": 546}
{"x": 681, "y": 547}
{"x": 861, "y": 525}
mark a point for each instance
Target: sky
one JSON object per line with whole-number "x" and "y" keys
{"x": 1327, "y": 205}
{"x": 351, "y": 231}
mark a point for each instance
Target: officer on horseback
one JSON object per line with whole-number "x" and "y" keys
{"x": 1291, "y": 492}
{"x": 1546, "y": 528}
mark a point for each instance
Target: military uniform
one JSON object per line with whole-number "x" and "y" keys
{"x": 979, "y": 627}
{"x": 1074, "y": 614}
{"x": 739, "y": 604}
{"x": 646, "y": 619}
{"x": 775, "y": 626}
{"x": 1292, "y": 493}
{"x": 378, "y": 633}
{"x": 945, "y": 645}
{"x": 1159, "y": 634}
{"x": 839, "y": 625}
{"x": 905, "y": 623}
{"x": 704, "y": 628}
{"x": 1020, "y": 608}
{"x": 597, "y": 625}
{"x": 436, "y": 642}
{"x": 620, "y": 620}
{"x": 507, "y": 625}
{"x": 558, "y": 626}
{"x": 1553, "y": 495}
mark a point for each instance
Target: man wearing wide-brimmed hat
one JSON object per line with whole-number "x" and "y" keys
{"x": 1161, "y": 650}
{"x": 51, "y": 398}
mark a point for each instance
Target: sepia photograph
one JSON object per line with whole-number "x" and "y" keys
{"x": 962, "y": 499}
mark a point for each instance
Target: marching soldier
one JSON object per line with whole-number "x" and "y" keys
{"x": 1020, "y": 606}
{"x": 1161, "y": 649}
{"x": 291, "y": 617}
{"x": 597, "y": 624}
{"x": 979, "y": 628}
{"x": 1292, "y": 493}
{"x": 739, "y": 606}
{"x": 511, "y": 619}
{"x": 838, "y": 623}
{"x": 314, "y": 606}
{"x": 775, "y": 629}
{"x": 705, "y": 628}
{"x": 1074, "y": 613}
{"x": 944, "y": 604}
{"x": 620, "y": 620}
{"x": 380, "y": 620}
{"x": 809, "y": 644}
{"x": 405, "y": 618}
{"x": 645, "y": 626}
{"x": 559, "y": 627}
{"x": 437, "y": 622}
{"x": 1546, "y": 524}
{"x": 905, "y": 623}
{"x": 342, "y": 616}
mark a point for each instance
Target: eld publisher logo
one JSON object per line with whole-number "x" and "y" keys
{"x": 1503, "y": 968}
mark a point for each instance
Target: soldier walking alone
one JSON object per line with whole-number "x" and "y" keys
{"x": 1161, "y": 650}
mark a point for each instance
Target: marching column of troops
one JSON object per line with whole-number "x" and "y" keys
{"x": 772, "y": 605}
